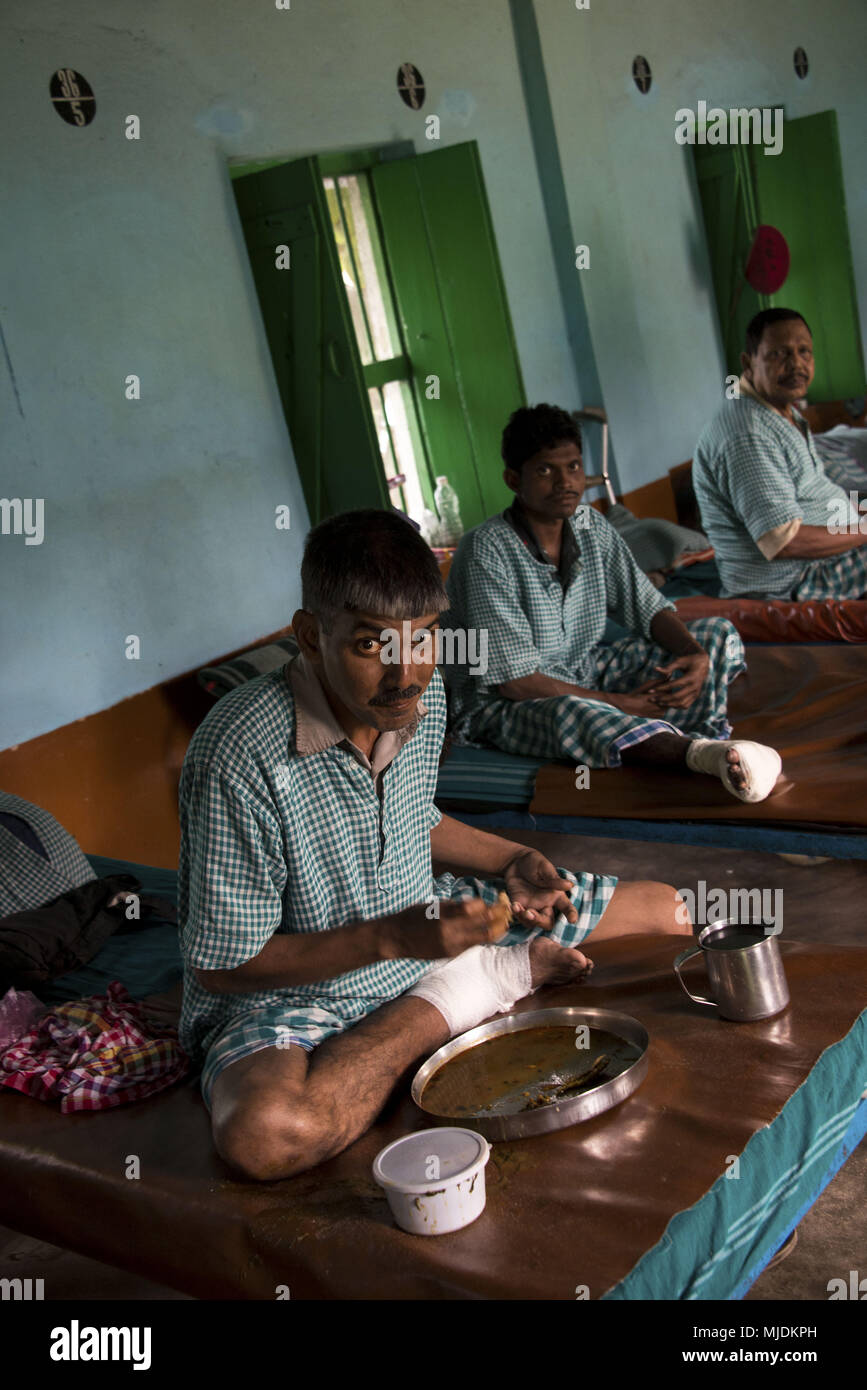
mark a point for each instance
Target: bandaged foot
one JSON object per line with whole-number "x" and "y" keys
{"x": 760, "y": 765}
{"x": 488, "y": 980}
{"x": 479, "y": 982}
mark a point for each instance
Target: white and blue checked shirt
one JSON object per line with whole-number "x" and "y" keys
{"x": 535, "y": 625}
{"x": 754, "y": 471}
{"x": 278, "y": 840}
{"x": 27, "y": 879}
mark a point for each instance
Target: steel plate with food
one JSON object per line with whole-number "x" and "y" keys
{"x": 530, "y": 1073}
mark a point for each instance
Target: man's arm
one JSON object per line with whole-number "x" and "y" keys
{"x": 673, "y": 690}
{"x": 814, "y": 542}
{"x": 305, "y": 958}
{"x": 539, "y": 687}
{"x": 232, "y": 901}
{"x": 631, "y": 599}
{"x": 536, "y": 890}
{"x": 752, "y": 476}
{"x": 301, "y": 958}
{"x": 667, "y": 629}
{"x": 486, "y": 592}
{"x": 465, "y": 847}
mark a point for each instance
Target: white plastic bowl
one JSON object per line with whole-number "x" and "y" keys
{"x": 434, "y": 1179}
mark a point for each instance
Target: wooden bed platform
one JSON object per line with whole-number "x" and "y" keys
{"x": 633, "y": 1204}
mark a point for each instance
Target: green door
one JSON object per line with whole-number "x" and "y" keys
{"x": 799, "y": 191}
{"x": 448, "y": 286}
{"x": 457, "y": 351}
{"x": 310, "y": 335}
{"x": 730, "y": 218}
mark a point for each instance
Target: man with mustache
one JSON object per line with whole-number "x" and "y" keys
{"x": 541, "y": 579}
{"x": 765, "y": 499}
{"x": 321, "y": 956}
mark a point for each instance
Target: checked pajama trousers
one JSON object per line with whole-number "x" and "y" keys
{"x": 839, "y": 576}
{"x": 308, "y": 1026}
{"x": 593, "y": 733}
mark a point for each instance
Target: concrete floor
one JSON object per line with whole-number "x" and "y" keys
{"x": 822, "y": 901}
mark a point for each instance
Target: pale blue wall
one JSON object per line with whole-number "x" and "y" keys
{"x": 121, "y": 256}
{"x": 649, "y": 302}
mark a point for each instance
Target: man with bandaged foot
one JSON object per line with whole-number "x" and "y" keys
{"x": 321, "y": 956}
{"x": 540, "y": 580}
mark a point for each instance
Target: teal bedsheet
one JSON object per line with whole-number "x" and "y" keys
{"x": 718, "y": 1247}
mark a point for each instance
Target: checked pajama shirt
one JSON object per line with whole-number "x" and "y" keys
{"x": 276, "y": 839}
{"x": 753, "y": 471}
{"x": 27, "y": 878}
{"x": 535, "y": 624}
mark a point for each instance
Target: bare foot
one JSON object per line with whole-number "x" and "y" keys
{"x": 553, "y": 964}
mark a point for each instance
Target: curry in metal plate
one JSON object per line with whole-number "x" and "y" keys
{"x": 533, "y": 1072}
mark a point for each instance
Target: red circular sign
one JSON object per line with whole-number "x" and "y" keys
{"x": 768, "y": 261}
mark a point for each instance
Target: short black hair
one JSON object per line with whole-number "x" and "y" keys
{"x": 759, "y": 322}
{"x": 535, "y": 427}
{"x": 370, "y": 561}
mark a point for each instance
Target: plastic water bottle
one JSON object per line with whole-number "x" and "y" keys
{"x": 446, "y": 503}
{"x": 430, "y": 527}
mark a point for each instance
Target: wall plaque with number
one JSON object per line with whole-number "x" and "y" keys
{"x": 410, "y": 84}
{"x": 641, "y": 74}
{"x": 72, "y": 96}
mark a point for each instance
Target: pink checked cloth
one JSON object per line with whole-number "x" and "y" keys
{"x": 94, "y": 1053}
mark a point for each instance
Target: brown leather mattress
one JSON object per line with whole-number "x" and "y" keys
{"x": 579, "y": 1206}
{"x": 809, "y": 702}
{"x": 783, "y": 620}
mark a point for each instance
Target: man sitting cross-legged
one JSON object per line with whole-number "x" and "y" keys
{"x": 322, "y": 958}
{"x": 540, "y": 581}
{"x": 779, "y": 525}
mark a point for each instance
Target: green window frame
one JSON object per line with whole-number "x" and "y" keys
{"x": 458, "y": 357}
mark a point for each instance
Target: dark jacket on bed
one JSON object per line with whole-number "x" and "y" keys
{"x": 41, "y": 943}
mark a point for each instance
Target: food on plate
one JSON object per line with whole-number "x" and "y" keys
{"x": 500, "y": 915}
{"x": 549, "y": 1092}
{"x": 501, "y": 1074}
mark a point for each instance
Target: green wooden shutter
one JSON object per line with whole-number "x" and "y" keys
{"x": 725, "y": 188}
{"x": 442, "y": 254}
{"x": 310, "y": 335}
{"x": 800, "y": 191}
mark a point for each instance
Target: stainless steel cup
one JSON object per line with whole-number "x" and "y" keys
{"x": 747, "y": 981}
